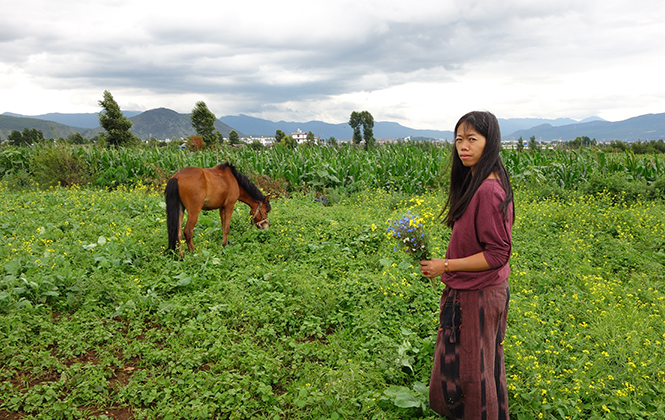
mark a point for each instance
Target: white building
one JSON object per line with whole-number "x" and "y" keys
{"x": 299, "y": 136}
{"x": 266, "y": 141}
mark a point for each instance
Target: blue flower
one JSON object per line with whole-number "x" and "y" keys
{"x": 409, "y": 231}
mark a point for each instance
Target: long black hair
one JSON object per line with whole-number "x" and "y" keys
{"x": 464, "y": 184}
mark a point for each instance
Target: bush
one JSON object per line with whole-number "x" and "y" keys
{"x": 195, "y": 143}
{"x": 617, "y": 185}
{"x": 543, "y": 191}
{"x": 19, "y": 180}
{"x": 57, "y": 165}
{"x": 657, "y": 189}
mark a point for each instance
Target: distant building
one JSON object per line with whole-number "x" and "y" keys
{"x": 266, "y": 141}
{"x": 299, "y": 136}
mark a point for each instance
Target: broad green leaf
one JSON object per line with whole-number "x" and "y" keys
{"x": 405, "y": 399}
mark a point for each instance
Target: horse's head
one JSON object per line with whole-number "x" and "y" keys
{"x": 261, "y": 214}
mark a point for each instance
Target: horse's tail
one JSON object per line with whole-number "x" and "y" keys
{"x": 173, "y": 206}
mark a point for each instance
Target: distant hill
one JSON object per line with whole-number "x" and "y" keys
{"x": 86, "y": 120}
{"x": 590, "y": 119}
{"x": 391, "y": 130}
{"x": 644, "y": 127}
{"x": 160, "y": 123}
{"x": 163, "y": 123}
{"x": 261, "y": 127}
{"x": 511, "y": 125}
{"x": 9, "y": 124}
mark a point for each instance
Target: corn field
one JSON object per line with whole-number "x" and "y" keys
{"x": 410, "y": 168}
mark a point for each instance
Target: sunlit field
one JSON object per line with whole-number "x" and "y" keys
{"x": 317, "y": 318}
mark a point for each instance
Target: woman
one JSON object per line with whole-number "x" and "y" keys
{"x": 468, "y": 377}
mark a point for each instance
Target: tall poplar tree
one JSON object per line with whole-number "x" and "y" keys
{"x": 368, "y": 129}
{"x": 115, "y": 123}
{"x": 365, "y": 120}
{"x": 203, "y": 121}
{"x": 355, "y": 121}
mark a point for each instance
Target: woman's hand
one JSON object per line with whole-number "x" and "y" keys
{"x": 434, "y": 267}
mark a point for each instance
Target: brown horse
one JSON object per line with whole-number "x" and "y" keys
{"x": 196, "y": 189}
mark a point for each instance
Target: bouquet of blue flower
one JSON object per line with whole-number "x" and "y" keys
{"x": 410, "y": 235}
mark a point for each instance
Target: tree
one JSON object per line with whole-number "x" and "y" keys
{"x": 310, "y": 138}
{"x": 355, "y": 121}
{"x": 279, "y": 135}
{"x": 32, "y": 136}
{"x": 659, "y": 145}
{"x": 638, "y": 147}
{"x": 368, "y": 127}
{"x": 583, "y": 141}
{"x": 233, "y": 137}
{"x": 116, "y": 125}
{"x": 203, "y": 121}
{"x": 289, "y": 141}
{"x": 533, "y": 144}
{"x": 77, "y": 138}
{"x": 332, "y": 141}
{"x": 618, "y": 144}
{"x": 575, "y": 144}
{"x": 365, "y": 120}
{"x": 15, "y": 138}
{"x": 26, "y": 138}
{"x": 520, "y": 144}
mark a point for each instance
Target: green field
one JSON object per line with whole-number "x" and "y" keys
{"x": 317, "y": 318}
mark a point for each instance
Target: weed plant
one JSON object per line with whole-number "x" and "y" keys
{"x": 318, "y": 317}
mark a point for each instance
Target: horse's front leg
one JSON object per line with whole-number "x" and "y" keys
{"x": 225, "y": 216}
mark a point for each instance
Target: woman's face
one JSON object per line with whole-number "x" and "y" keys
{"x": 469, "y": 144}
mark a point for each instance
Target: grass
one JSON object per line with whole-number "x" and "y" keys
{"x": 317, "y": 317}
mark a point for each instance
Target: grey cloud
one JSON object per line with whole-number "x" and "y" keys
{"x": 391, "y": 48}
{"x": 262, "y": 65}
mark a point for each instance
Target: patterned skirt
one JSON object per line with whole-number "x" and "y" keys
{"x": 469, "y": 377}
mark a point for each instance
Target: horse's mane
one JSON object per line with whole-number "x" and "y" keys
{"x": 245, "y": 183}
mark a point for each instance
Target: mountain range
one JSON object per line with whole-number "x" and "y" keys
{"x": 644, "y": 127}
{"x": 163, "y": 123}
{"x": 390, "y": 130}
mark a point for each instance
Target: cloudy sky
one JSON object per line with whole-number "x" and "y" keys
{"x": 420, "y": 63}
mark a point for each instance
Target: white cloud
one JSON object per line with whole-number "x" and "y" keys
{"x": 420, "y": 63}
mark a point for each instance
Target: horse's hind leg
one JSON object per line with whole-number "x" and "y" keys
{"x": 192, "y": 218}
{"x": 181, "y": 214}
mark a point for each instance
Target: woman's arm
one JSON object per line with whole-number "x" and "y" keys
{"x": 435, "y": 267}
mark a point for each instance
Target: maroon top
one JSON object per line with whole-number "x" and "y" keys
{"x": 482, "y": 228}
